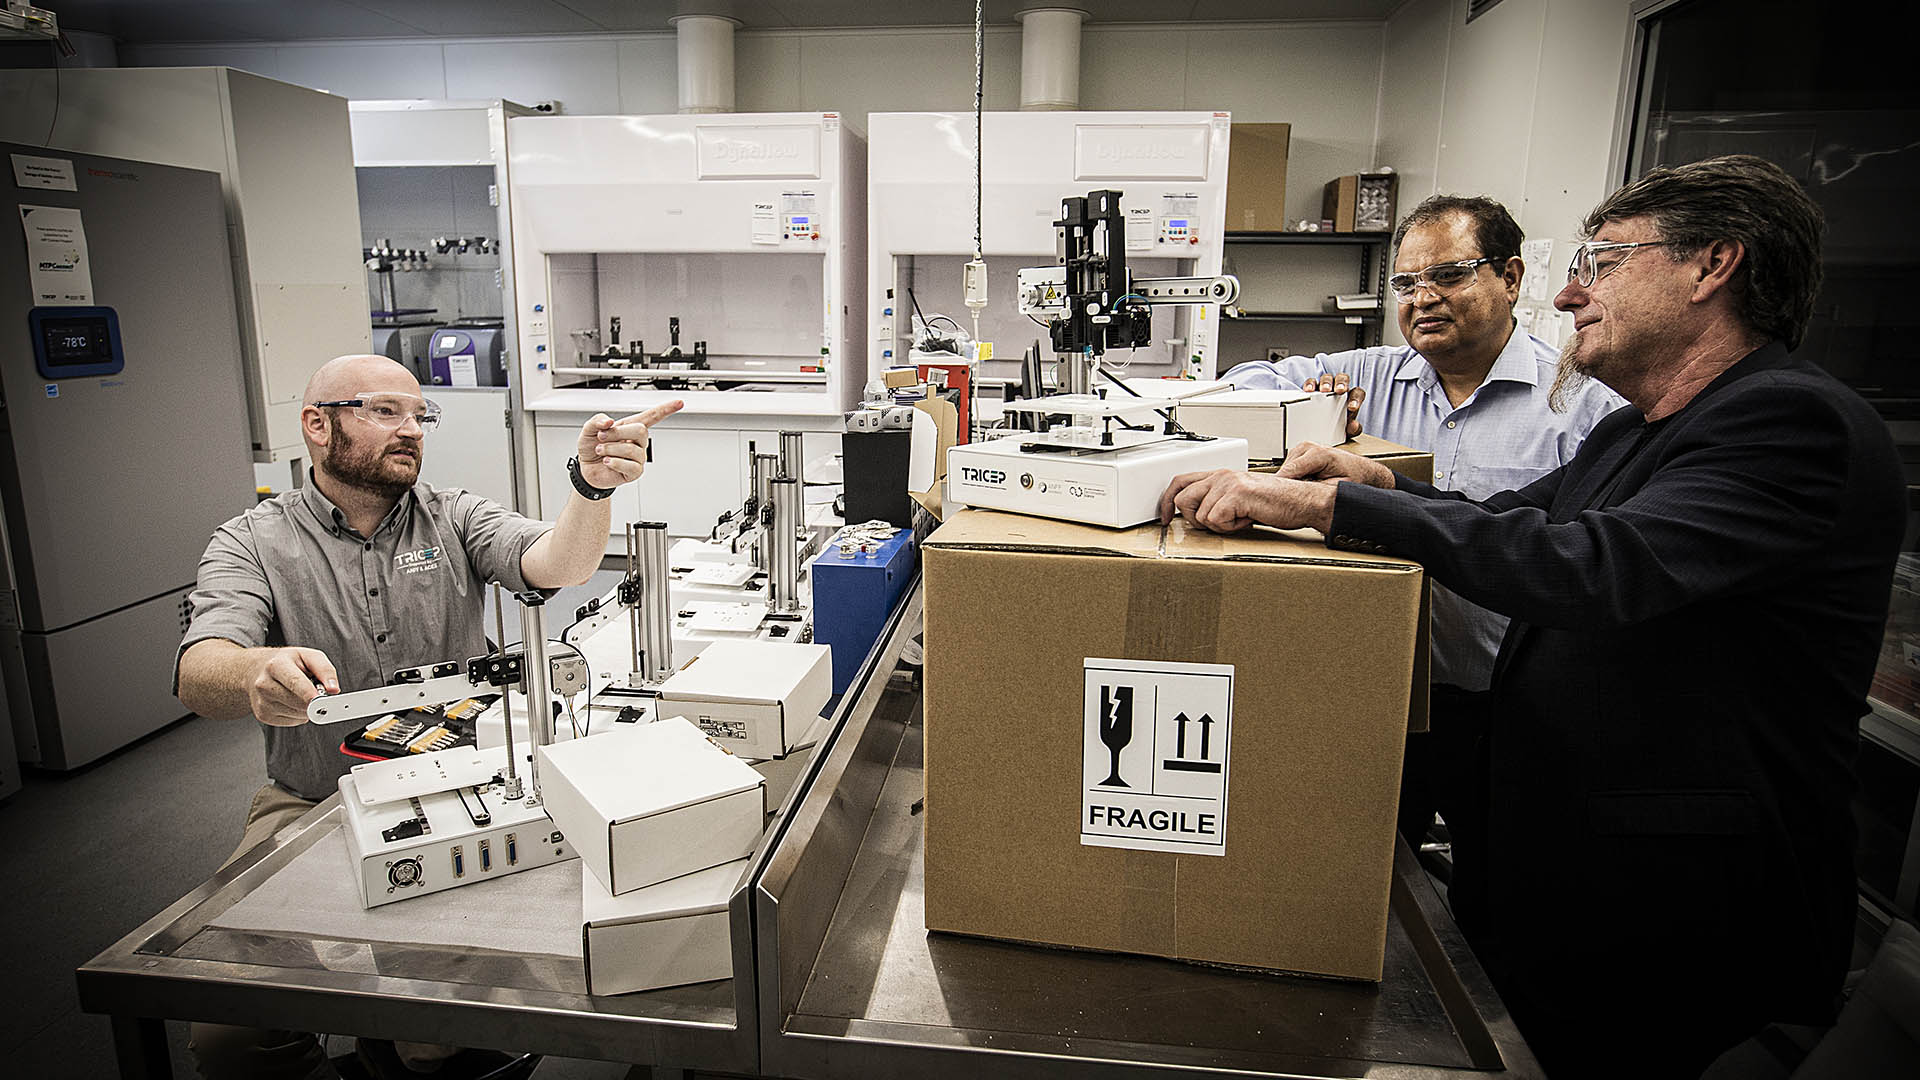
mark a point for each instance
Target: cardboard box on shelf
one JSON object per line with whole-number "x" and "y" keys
{"x": 645, "y": 803}
{"x": 1363, "y": 202}
{"x": 1161, "y": 758}
{"x": 1257, "y": 177}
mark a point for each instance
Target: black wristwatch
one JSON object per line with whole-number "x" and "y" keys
{"x": 580, "y": 484}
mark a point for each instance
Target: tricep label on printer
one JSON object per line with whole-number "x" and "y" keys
{"x": 1155, "y": 740}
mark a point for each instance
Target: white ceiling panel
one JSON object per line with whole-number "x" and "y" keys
{"x": 151, "y": 21}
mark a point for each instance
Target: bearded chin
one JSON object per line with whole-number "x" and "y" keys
{"x": 1568, "y": 380}
{"x": 363, "y": 469}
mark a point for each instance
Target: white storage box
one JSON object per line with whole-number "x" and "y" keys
{"x": 1272, "y": 421}
{"x": 669, "y": 934}
{"x": 758, "y": 699}
{"x": 645, "y": 803}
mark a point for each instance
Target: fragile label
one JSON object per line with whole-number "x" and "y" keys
{"x": 1155, "y": 755}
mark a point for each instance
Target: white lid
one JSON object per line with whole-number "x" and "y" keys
{"x": 638, "y": 770}
{"x": 745, "y": 671}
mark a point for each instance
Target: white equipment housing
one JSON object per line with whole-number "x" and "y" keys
{"x": 1117, "y": 486}
{"x": 451, "y": 848}
{"x": 1171, "y": 168}
{"x": 746, "y": 228}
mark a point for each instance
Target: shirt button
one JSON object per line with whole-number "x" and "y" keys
{"x": 1451, "y": 424}
{"x": 1439, "y": 476}
{"x": 381, "y": 638}
{"x": 373, "y": 592}
{"x": 369, "y": 547}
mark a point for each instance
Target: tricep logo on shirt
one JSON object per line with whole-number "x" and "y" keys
{"x": 413, "y": 562}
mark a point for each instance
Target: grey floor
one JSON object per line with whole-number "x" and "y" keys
{"x": 92, "y": 854}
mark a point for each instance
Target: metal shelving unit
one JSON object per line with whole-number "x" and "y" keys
{"x": 1367, "y": 325}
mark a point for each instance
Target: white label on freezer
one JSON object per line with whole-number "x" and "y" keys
{"x": 1155, "y": 741}
{"x": 766, "y": 224}
{"x": 43, "y": 173}
{"x": 57, "y": 255}
{"x": 1140, "y": 228}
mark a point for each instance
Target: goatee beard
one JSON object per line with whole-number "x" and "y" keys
{"x": 365, "y": 470}
{"x": 1568, "y": 380}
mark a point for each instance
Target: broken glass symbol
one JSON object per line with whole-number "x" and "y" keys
{"x": 1116, "y": 728}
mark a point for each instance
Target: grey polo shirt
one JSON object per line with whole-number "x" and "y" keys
{"x": 291, "y": 571}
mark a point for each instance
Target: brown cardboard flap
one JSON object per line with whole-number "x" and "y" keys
{"x": 993, "y": 530}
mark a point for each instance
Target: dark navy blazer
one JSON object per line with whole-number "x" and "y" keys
{"x": 1697, "y": 608}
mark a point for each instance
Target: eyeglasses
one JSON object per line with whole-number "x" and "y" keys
{"x": 388, "y": 410}
{"x": 1444, "y": 279}
{"x": 1586, "y": 267}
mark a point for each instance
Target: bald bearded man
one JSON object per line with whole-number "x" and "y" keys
{"x": 364, "y": 571}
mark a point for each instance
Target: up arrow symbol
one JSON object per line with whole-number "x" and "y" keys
{"x": 1206, "y": 728}
{"x": 1180, "y": 737}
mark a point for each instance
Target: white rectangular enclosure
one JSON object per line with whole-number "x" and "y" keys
{"x": 747, "y": 229}
{"x": 1171, "y": 171}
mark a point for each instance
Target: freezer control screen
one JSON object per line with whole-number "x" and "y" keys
{"x": 76, "y": 341}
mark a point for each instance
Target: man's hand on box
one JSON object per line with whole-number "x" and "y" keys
{"x": 1336, "y": 383}
{"x": 1228, "y": 500}
{"x": 1311, "y": 461}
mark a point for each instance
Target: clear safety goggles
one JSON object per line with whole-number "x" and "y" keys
{"x": 389, "y": 410}
{"x": 1591, "y": 262}
{"x": 1444, "y": 279}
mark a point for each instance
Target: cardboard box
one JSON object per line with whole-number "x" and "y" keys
{"x": 1363, "y": 202}
{"x": 669, "y": 934}
{"x": 1408, "y": 462}
{"x": 756, "y": 698}
{"x": 1257, "y": 177}
{"x": 646, "y": 803}
{"x": 1251, "y": 692}
{"x": 852, "y": 596}
{"x": 1272, "y": 421}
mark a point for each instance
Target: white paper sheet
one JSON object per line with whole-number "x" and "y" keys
{"x": 57, "y": 256}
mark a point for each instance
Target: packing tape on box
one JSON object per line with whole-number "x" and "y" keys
{"x": 1173, "y": 610}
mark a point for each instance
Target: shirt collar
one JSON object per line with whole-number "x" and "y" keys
{"x": 334, "y": 520}
{"x": 1514, "y": 364}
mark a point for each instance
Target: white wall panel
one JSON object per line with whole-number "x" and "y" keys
{"x": 584, "y": 76}
{"x": 650, "y": 76}
{"x": 261, "y": 60}
{"x": 766, "y": 72}
{"x": 1416, "y": 62}
{"x": 1129, "y": 68}
{"x": 365, "y": 70}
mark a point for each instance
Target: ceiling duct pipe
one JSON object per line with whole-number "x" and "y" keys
{"x": 706, "y": 62}
{"x": 1050, "y": 59}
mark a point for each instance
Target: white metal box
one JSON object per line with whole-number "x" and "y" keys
{"x": 669, "y": 934}
{"x": 1118, "y": 488}
{"x": 426, "y": 843}
{"x": 756, "y": 698}
{"x": 1272, "y": 421}
{"x": 647, "y": 803}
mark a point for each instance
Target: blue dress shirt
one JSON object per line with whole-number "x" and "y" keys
{"x": 1501, "y": 438}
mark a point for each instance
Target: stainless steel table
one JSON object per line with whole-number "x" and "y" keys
{"x": 178, "y": 966}
{"x": 851, "y": 983}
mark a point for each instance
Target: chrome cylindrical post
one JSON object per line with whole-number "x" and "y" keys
{"x": 533, "y": 673}
{"x": 656, "y": 602}
{"x": 792, "y": 456}
{"x": 782, "y": 536}
{"x": 768, "y": 467}
{"x": 513, "y": 788}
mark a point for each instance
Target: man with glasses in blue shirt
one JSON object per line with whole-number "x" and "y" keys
{"x": 1697, "y": 600}
{"x": 1474, "y": 389}
{"x": 336, "y": 585}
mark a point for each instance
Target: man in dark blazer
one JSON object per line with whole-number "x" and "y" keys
{"x": 1697, "y": 601}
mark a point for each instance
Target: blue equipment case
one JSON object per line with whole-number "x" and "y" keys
{"x": 852, "y": 596}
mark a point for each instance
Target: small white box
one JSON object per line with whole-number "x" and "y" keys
{"x": 645, "y": 803}
{"x": 1272, "y": 421}
{"x": 756, "y": 698}
{"x": 1119, "y": 488}
{"x": 669, "y": 934}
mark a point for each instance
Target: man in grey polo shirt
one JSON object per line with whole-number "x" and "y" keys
{"x": 362, "y": 572}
